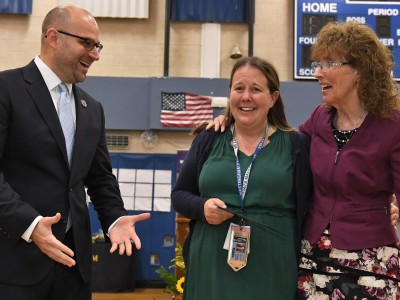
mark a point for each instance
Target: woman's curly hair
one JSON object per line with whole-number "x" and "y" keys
{"x": 359, "y": 45}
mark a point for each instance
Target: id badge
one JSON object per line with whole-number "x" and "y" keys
{"x": 238, "y": 247}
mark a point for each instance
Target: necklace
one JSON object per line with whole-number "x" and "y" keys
{"x": 356, "y": 125}
{"x": 343, "y": 136}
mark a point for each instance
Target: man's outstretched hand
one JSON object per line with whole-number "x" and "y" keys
{"x": 43, "y": 237}
{"x": 123, "y": 234}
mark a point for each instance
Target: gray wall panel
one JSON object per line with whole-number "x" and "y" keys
{"x": 126, "y": 101}
{"x": 300, "y": 98}
{"x": 135, "y": 103}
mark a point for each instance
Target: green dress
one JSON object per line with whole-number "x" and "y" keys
{"x": 271, "y": 271}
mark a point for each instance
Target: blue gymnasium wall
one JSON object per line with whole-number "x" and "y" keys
{"x": 135, "y": 104}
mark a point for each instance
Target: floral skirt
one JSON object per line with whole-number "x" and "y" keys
{"x": 329, "y": 273}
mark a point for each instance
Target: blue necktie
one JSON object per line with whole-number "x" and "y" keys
{"x": 68, "y": 127}
{"x": 66, "y": 119}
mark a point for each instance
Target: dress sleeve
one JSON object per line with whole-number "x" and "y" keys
{"x": 185, "y": 196}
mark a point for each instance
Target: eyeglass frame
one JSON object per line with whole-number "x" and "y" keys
{"x": 98, "y": 46}
{"x": 328, "y": 65}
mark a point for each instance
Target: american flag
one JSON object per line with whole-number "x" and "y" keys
{"x": 185, "y": 109}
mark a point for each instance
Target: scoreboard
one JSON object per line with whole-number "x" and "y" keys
{"x": 310, "y": 16}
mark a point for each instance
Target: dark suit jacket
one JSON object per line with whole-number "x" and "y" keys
{"x": 35, "y": 178}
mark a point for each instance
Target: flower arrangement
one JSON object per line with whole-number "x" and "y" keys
{"x": 174, "y": 281}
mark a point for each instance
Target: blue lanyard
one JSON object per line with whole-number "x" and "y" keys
{"x": 242, "y": 187}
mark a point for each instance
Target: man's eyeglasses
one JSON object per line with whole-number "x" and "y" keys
{"x": 88, "y": 44}
{"x": 327, "y": 65}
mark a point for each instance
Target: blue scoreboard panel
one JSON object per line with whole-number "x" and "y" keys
{"x": 310, "y": 16}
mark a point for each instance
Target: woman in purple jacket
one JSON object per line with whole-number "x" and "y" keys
{"x": 350, "y": 250}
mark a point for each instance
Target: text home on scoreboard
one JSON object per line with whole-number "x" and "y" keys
{"x": 310, "y": 16}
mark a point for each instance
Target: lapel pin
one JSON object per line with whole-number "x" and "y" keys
{"x": 83, "y": 102}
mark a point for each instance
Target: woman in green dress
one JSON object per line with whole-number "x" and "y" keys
{"x": 246, "y": 192}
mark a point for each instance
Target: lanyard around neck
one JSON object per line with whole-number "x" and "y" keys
{"x": 242, "y": 187}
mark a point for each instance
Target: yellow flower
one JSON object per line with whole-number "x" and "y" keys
{"x": 179, "y": 284}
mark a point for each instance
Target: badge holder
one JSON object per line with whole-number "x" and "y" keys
{"x": 239, "y": 246}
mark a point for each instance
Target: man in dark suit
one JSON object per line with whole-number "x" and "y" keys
{"x": 45, "y": 238}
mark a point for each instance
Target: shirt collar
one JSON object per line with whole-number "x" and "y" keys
{"x": 49, "y": 77}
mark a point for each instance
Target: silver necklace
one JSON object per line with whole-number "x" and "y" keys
{"x": 356, "y": 125}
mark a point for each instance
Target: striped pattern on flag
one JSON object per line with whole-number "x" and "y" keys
{"x": 185, "y": 109}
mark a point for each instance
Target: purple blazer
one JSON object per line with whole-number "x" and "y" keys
{"x": 353, "y": 187}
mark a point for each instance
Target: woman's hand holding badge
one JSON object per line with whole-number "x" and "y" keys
{"x": 213, "y": 214}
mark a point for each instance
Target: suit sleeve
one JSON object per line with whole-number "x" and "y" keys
{"x": 102, "y": 185}
{"x": 15, "y": 214}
